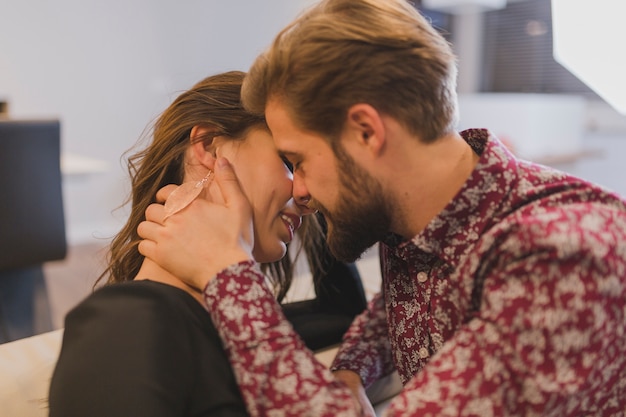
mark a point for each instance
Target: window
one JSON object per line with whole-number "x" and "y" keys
{"x": 518, "y": 52}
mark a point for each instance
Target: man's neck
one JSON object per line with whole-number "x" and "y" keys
{"x": 432, "y": 175}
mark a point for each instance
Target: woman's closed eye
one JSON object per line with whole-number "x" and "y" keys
{"x": 288, "y": 164}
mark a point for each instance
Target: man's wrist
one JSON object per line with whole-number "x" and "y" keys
{"x": 242, "y": 263}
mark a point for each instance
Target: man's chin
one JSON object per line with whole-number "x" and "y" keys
{"x": 346, "y": 249}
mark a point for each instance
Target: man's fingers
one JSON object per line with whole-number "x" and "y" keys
{"x": 228, "y": 183}
{"x": 155, "y": 213}
{"x": 147, "y": 230}
{"x": 147, "y": 248}
{"x": 164, "y": 192}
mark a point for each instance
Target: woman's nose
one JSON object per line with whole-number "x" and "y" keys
{"x": 301, "y": 195}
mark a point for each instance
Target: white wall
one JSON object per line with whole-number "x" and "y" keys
{"x": 106, "y": 68}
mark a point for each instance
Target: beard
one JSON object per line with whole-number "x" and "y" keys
{"x": 362, "y": 213}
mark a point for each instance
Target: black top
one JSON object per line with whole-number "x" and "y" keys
{"x": 142, "y": 348}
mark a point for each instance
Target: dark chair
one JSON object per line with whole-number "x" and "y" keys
{"x": 339, "y": 297}
{"x": 32, "y": 220}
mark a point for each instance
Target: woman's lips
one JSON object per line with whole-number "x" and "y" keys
{"x": 292, "y": 221}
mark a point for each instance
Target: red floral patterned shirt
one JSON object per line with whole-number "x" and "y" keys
{"x": 511, "y": 302}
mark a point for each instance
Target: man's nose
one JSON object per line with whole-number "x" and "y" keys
{"x": 303, "y": 205}
{"x": 301, "y": 196}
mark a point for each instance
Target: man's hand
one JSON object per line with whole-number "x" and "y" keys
{"x": 207, "y": 236}
{"x": 353, "y": 381}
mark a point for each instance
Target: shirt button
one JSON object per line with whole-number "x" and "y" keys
{"x": 422, "y": 277}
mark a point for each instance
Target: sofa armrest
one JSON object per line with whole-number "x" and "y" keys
{"x": 26, "y": 367}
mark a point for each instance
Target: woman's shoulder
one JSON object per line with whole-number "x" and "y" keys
{"x": 147, "y": 315}
{"x": 139, "y": 289}
{"x": 137, "y": 301}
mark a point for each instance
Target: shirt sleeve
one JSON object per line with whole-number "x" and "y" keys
{"x": 123, "y": 354}
{"x": 273, "y": 368}
{"x": 366, "y": 349}
{"x": 544, "y": 342}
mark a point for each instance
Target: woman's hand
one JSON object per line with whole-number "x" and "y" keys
{"x": 204, "y": 238}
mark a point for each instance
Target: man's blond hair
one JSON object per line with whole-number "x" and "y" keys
{"x": 342, "y": 52}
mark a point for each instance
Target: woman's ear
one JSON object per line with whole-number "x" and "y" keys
{"x": 203, "y": 145}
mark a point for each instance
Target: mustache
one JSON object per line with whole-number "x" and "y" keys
{"x": 315, "y": 205}
{"x": 322, "y": 211}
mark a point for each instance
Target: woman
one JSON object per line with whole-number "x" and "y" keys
{"x": 145, "y": 346}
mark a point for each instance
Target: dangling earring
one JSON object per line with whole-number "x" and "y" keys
{"x": 185, "y": 194}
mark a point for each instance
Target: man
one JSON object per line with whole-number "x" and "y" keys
{"x": 504, "y": 282}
